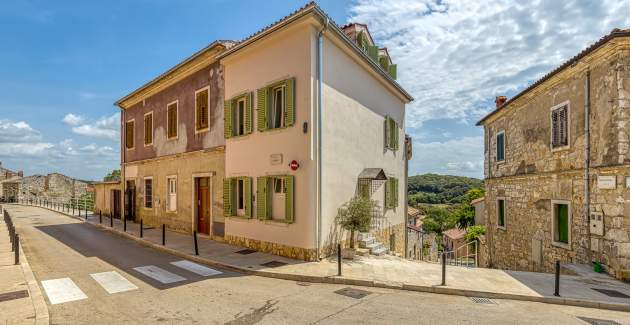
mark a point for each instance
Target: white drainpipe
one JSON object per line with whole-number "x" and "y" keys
{"x": 320, "y": 59}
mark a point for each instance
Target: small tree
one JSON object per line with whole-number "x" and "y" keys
{"x": 474, "y": 232}
{"x": 113, "y": 176}
{"x": 356, "y": 215}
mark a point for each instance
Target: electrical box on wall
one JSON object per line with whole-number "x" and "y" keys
{"x": 597, "y": 223}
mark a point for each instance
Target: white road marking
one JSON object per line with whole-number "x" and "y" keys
{"x": 196, "y": 268}
{"x": 62, "y": 290}
{"x": 113, "y": 282}
{"x": 159, "y": 274}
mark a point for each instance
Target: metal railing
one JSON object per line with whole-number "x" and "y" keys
{"x": 79, "y": 206}
{"x": 465, "y": 255}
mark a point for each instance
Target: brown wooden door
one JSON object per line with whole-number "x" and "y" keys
{"x": 203, "y": 209}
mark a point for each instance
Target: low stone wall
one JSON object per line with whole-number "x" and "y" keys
{"x": 274, "y": 248}
{"x": 384, "y": 236}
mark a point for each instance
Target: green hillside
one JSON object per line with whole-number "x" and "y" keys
{"x": 444, "y": 189}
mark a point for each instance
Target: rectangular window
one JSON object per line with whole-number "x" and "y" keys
{"x": 501, "y": 213}
{"x": 171, "y": 120}
{"x": 561, "y": 222}
{"x": 500, "y": 149}
{"x": 391, "y": 133}
{"x": 240, "y": 116}
{"x": 148, "y": 129}
{"x": 237, "y": 197}
{"x": 201, "y": 110}
{"x": 278, "y": 108}
{"x": 240, "y": 197}
{"x": 172, "y": 193}
{"x": 275, "y": 198}
{"x": 148, "y": 192}
{"x": 560, "y": 126}
{"x": 129, "y": 134}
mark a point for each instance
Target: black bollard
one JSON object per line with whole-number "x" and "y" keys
{"x": 557, "y": 287}
{"x": 163, "y": 234}
{"x": 141, "y": 229}
{"x": 111, "y": 220}
{"x": 338, "y": 259}
{"x": 17, "y": 249}
{"x": 73, "y": 209}
{"x": 124, "y": 224}
{"x": 443, "y": 268}
{"x": 100, "y": 216}
{"x": 196, "y": 247}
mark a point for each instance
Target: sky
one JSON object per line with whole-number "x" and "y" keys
{"x": 64, "y": 63}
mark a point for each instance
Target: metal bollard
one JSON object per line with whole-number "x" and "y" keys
{"x": 73, "y": 209}
{"x": 196, "y": 247}
{"x": 443, "y": 268}
{"x": 557, "y": 286}
{"x": 17, "y": 249}
{"x": 111, "y": 220}
{"x": 141, "y": 229}
{"x": 163, "y": 234}
{"x": 125, "y": 224}
{"x": 100, "y": 216}
{"x": 338, "y": 259}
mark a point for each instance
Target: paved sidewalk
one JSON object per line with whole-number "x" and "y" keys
{"x": 21, "y": 300}
{"x": 391, "y": 272}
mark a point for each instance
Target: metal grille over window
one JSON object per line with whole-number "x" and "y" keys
{"x": 148, "y": 193}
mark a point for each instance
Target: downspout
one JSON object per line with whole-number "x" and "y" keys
{"x": 406, "y": 218}
{"x": 320, "y": 59}
{"x": 123, "y": 147}
{"x": 587, "y": 162}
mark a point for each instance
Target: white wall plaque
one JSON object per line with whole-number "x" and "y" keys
{"x": 627, "y": 181}
{"x": 275, "y": 159}
{"x": 607, "y": 182}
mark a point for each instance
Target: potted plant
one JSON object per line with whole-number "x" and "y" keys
{"x": 355, "y": 215}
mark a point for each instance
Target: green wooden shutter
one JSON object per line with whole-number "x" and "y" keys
{"x": 395, "y": 192}
{"x": 392, "y": 69}
{"x": 289, "y": 211}
{"x": 388, "y": 133}
{"x": 388, "y": 194}
{"x": 373, "y": 53}
{"x": 247, "y": 196}
{"x": 262, "y": 198}
{"x": 228, "y": 194}
{"x": 395, "y": 131}
{"x": 249, "y": 113}
{"x": 227, "y": 119}
{"x": 562, "y": 215}
{"x": 261, "y": 119}
{"x": 289, "y": 118}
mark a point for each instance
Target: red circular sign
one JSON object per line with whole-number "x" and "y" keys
{"x": 294, "y": 165}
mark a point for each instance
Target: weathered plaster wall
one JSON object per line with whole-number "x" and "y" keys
{"x": 103, "y": 197}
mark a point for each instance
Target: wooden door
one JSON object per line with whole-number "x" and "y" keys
{"x": 203, "y": 206}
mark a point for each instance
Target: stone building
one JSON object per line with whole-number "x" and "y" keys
{"x": 259, "y": 142}
{"x": 557, "y": 165}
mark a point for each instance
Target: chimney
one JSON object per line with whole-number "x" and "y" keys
{"x": 500, "y": 100}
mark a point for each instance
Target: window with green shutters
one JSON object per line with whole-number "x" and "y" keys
{"x": 237, "y": 197}
{"x": 276, "y": 105}
{"x": 501, "y": 213}
{"x": 268, "y": 190}
{"x": 391, "y": 134}
{"x": 238, "y": 114}
{"x": 500, "y": 147}
{"x": 561, "y": 222}
{"x": 391, "y": 193}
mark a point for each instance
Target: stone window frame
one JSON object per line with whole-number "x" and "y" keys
{"x": 144, "y": 187}
{"x": 505, "y": 214}
{"x": 145, "y": 131}
{"x": 496, "y": 148}
{"x": 566, "y": 103}
{"x": 206, "y": 129}
{"x": 553, "y": 224}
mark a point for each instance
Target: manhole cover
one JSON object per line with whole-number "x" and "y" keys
{"x": 246, "y": 251}
{"x": 479, "y": 300}
{"x": 273, "y": 264}
{"x": 13, "y": 295}
{"x": 611, "y": 293}
{"x": 595, "y": 321}
{"x": 352, "y": 293}
{"x": 303, "y": 284}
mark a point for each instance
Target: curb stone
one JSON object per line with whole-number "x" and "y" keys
{"x": 365, "y": 283}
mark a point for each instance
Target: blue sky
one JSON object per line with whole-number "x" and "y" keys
{"x": 64, "y": 63}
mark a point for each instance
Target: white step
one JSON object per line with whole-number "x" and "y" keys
{"x": 379, "y": 251}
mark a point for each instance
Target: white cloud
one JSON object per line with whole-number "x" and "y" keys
{"x": 460, "y": 156}
{"x": 105, "y": 127}
{"x": 17, "y": 132}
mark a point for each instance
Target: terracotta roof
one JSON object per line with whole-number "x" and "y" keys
{"x": 412, "y": 212}
{"x": 455, "y": 233}
{"x": 481, "y": 199}
{"x": 372, "y": 173}
{"x": 414, "y": 228}
{"x": 613, "y": 34}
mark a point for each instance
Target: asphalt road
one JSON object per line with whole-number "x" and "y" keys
{"x": 60, "y": 247}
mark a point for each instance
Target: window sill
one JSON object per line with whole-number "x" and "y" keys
{"x": 561, "y": 245}
{"x": 148, "y": 144}
{"x": 240, "y": 217}
{"x": 202, "y": 130}
{"x": 502, "y": 228}
{"x": 278, "y": 222}
{"x": 558, "y": 149}
{"x": 275, "y": 130}
{"x": 241, "y": 136}
{"x": 499, "y": 162}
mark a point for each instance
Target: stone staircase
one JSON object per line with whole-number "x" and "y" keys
{"x": 367, "y": 241}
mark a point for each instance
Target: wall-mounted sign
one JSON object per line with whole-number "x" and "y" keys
{"x": 275, "y": 159}
{"x": 627, "y": 181}
{"x": 294, "y": 165}
{"x": 607, "y": 182}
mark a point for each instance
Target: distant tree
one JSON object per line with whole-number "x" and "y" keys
{"x": 356, "y": 215}
{"x": 113, "y": 176}
{"x": 435, "y": 189}
{"x": 464, "y": 213}
{"x": 437, "y": 220}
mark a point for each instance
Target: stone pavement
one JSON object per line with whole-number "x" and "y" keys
{"x": 391, "y": 272}
{"x": 21, "y": 300}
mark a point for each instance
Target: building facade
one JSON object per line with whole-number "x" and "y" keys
{"x": 297, "y": 113}
{"x": 557, "y": 165}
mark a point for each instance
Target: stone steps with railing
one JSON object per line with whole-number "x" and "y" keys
{"x": 367, "y": 241}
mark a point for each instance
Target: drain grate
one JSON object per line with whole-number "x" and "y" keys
{"x": 304, "y": 284}
{"x": 611, "y": 293}
{"x": 13, "y": 295}
{"x": 595, "y": 321}
{"x": 273, "y": 264}
{"x": 479, "y": 300}
{"x": 246, "y": 251}
{"x": 352, "y": 293}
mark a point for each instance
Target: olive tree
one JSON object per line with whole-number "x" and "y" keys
{"x": 356, "y": 215}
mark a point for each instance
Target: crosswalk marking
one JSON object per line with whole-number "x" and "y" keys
{"x": 196, "y": 268}
{"x": 113, "y": 282}
{"x": 62, "y": 290}
{"x": 159, "y": 274}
